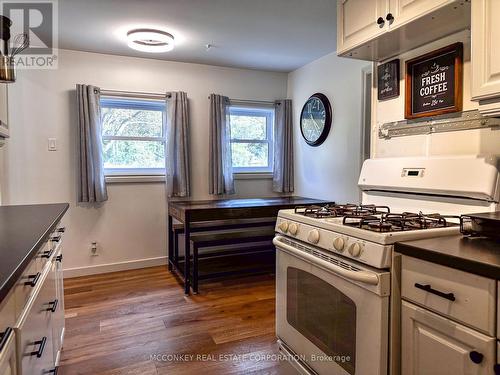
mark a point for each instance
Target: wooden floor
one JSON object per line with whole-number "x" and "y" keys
{"x": 140, "y": 322}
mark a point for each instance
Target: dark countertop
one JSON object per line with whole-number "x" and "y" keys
{"x": 23, "y": 229}
{"x": 477, "y": 255}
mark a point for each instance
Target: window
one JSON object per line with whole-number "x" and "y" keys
{"x": 133, "y": 136}
{"x": 251, "y": 139}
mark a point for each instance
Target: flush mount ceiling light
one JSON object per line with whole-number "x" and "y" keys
{"x": 150, "y": 40}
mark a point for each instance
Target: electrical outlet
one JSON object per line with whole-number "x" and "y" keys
{"x": 93, "y": 249}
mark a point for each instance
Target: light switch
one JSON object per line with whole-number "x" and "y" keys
{"x": 52, "y": 144}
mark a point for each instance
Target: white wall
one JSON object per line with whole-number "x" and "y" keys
{"x": 131, "y": 226}
{"x": 331, "y": 170}
{"x": 471, "y": 142}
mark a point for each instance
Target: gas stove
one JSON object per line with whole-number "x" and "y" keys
{"x": 365, "y": 233}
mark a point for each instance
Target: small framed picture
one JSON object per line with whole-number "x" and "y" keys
{"x": 388, "y": 80}
{"x": 434, "y": 83}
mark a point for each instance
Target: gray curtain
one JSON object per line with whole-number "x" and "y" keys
{"x": 91, "y": 184}
{"x": 220, "y": 166}
{"x": 177, "y": 146}
{"x": 283, "y": 173}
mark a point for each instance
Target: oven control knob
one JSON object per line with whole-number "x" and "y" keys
{"x": 338, "y": 244}
{"x": 293, "y": 229}
{"x": 313, "y": 236}
{"x": 283, "y": 226}
{"x": 355, "y": 249}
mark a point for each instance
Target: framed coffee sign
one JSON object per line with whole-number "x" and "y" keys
{"x": 434, "y": 83}
{"x": 388, "y": 80}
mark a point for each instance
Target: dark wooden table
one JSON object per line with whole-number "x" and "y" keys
{"x": 191, "y": 211}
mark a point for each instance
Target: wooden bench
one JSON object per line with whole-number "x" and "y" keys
{"x": 214, "y": 225}
{"x": 253, "y": 241}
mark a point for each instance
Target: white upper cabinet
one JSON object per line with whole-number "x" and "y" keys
{"x": 359, "y": 21}
{"x": 403, "y": 11}
{"x": 379, "y": 29}
{"x": 485, "y": 51}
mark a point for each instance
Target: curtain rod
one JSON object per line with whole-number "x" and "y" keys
{"x": 251, "y": 101}
{"x": 135, "y": 94}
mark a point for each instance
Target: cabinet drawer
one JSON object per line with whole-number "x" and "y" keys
{"x": 44, "y": 255}
{"x": 27, "y": 284}
{"x": 434, "y": 345}
{"x": 8, "y": 362}
{"x": 34, "y": 332}
{"x": 462, "y": 296}
{"x": 7, "y": 312}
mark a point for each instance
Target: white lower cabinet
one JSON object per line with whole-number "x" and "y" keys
{"x": 8, "y": 362}
{"x": 435, "y": 345}
{"x": 34, "y": 332}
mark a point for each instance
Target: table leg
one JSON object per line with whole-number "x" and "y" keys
{"x": 175, "y": 248}
{"x": 170, "y": 242}
{"x": 187, "y": 256}
{"x": 195, "y": 269}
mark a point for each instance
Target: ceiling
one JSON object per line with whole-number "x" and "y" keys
{"x": 276, "y": 35}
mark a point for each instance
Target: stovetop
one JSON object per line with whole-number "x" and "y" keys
{"x": 377, "y": 218}
{"x": 364, "y": 233}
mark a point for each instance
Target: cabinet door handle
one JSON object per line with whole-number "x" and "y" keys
{"x": 33, "y": 282}
{"x": 496, "y": 369}
{"x": 53, "y": 305}
{"x": 4, "y": 337}
{"x": 389, "y": 17}
{"x": 429, "y": 289}
{"x": 476, "y": 357}
{"x": 380, "y": 21}
{"x": 47, "y": 254}
{"x": 42, "y": 343}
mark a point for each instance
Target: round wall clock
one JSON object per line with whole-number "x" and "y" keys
{"x": 316, "y": 119}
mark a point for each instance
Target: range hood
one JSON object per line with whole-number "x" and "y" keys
{"x": 468, "y": 176}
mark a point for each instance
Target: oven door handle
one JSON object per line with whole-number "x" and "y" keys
{"x": 361, "y": 276}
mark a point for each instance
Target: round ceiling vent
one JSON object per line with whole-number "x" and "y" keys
{"x": 150, "y": 40}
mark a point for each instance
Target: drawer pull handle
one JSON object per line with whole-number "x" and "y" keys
{"x": 59, "y": 258}
{"x": 42, "y": 343}
{"x": 33, "y": 282}
{"x": 53, "y": 305}
{"x": 496, "y": 369}
{"x": 47, "y": 254}
{"x": 56, "y": 239}
{"x": 54, "y": 370}
{"x": 428, "y": 288}
{"x": 4, "y": 337}
{"x": 61, "y": 230}
{"x": 476, "y": 357}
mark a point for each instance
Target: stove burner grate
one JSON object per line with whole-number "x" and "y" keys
{"x": 340, "y": 210}
{"x": 391, "y": 222}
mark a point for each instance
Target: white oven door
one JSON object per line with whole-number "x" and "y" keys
{"x": 331, "y": 312}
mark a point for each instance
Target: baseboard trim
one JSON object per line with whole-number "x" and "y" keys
{"x": 113, "y": 267}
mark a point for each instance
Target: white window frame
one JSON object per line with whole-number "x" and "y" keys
{"x": 136, "y": 174}
{"x": 256, "y": 111}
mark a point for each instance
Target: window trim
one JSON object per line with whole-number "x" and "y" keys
{"x": 134, "y": 174}
{"x": 269, "y": 113}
